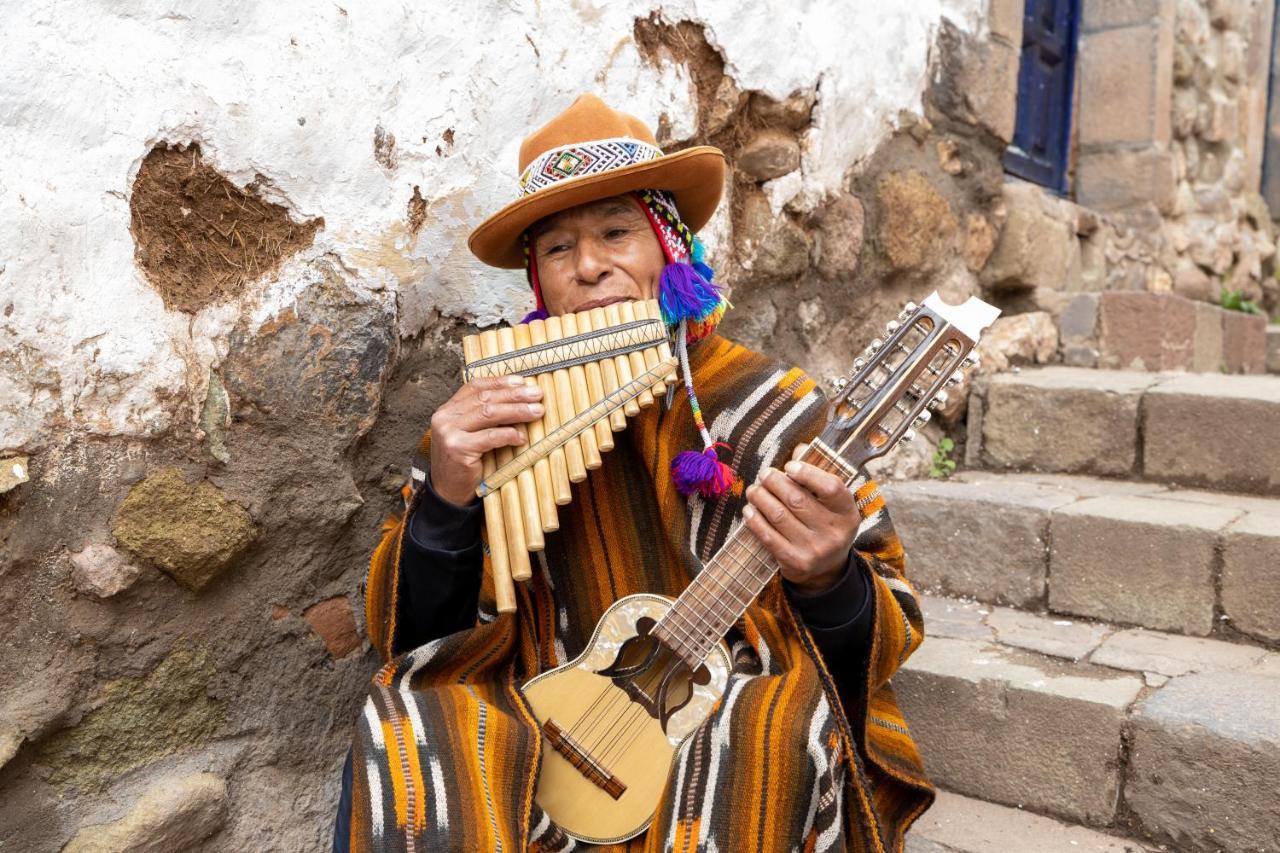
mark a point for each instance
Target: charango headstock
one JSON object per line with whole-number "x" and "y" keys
{"x": 901, "y": 377}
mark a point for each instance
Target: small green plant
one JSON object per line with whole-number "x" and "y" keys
{"x": 943, "y": 465}
{"x": 1233, "y": 300}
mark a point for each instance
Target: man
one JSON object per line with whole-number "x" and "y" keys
{"x": 807, "y": 749}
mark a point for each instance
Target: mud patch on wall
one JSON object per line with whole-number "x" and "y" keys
{"x": 200, "y": 239}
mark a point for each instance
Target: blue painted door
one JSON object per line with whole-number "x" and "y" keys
{"x": 1041, "y": 139}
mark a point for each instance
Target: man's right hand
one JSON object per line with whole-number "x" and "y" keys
{"x": 479, "y": 418}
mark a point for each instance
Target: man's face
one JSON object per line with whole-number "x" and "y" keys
{"x": 597, "y": 253}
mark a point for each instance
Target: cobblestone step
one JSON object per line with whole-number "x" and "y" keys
{"x": 1135, "y": 732}
{"x": 1145, "y": 554}
{"x": 1192, "y": 429}
{"x": 959, "y": 824}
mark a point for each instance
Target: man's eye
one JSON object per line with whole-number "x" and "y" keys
{"x": 614, "y": 233}
{"x": 557, "y": 248}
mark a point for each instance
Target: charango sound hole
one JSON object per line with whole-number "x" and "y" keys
{"x": 652, "y": 675}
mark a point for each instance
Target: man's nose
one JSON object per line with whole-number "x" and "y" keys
{"x": 594, "y": 263}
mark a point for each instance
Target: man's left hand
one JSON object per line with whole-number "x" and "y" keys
{"x": 806, "y": 518}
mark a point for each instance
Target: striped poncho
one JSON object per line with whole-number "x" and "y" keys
{"x": 446, "y": 753}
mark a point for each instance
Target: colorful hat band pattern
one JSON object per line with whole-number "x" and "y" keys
{"x": 584, "y": 158}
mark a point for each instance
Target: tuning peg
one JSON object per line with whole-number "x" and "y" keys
{"x": 955, "y": 378}
{"x": 892, "y": 326}
{"x": 921, "y": 419}
{"x": 907, "y": 311}
{"x": 839, "y": 383}
{"x": 971, "y": 360}
{"x": 909, "y": 435}
{"x": 859, "y": 363}
{"x": 939, "y": 400}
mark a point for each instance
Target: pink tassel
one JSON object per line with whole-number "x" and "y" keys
{"x": 702, "y": 471}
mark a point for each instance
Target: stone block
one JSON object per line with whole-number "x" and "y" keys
{"x": 769, "y": 154}
{"x": 1173, "y": 655}
{"x": 917, "y": 225}
{"x": 1273, "y": 348}
{"x": 958, "y": 619}
{"x": 1251, "y": 575}
{"x": 173, "y": 814}
{"x": 333, "y": 621}
{"x": 1013, "y": 728}
{"x": 838, "y": 236}
{"x": 959, "y": 824}
{"x": 191, "y": 531}
{"x": 1107, "y": 14}
{"x": 1113, "y": 180}
{"x": 982, "y": 539}
{"x": 1036, "y": 248}
{"x": 1048, "y": 635}
{"x": 1204, "y": 760}
{"x": 1066, "y": 419}
{"x": 1206, "y": 343}
{"x": 1146, "y": 331}
{"x": 1244, "y": 342}
{"x": 1004, "y": 20}
{"x": 1136, "y": 560}
{"x": 1213, "y": 431}
{"x": 1126, "y": 86}
{"x": 1018, "y": 339}
{"x": 13, "y": 472}
{"x": 100, "y": 570}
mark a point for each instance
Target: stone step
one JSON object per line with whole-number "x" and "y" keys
{"x": 1137, "y": 553}
{"x": 960, "y": 824}
{"x": 1135, "y": 732}
{"x": 1273, "y": 348}
{"x": 1206, "y": 430}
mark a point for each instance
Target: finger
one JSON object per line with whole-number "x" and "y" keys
{"x": 482, "y": 441}
{"x": 491, "y": 414}
{"x": 775, "y": 509}
{"x": 774, "y": 542}
{"x": 800, "y": 450}
{"x": 494, "y": 383}
{"x": 827, "y": 488}
{"x": 798, "y": 500}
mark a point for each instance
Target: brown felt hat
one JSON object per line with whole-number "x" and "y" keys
{"x": 590, "y": 152}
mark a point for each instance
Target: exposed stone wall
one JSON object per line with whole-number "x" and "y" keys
{"x": 1219, "y": 229}
{"x": 233, "y": 285}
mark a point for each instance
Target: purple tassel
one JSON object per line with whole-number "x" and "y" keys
{"x": 685, "y": 294}
{"x": 702, "y": 472}
{"x": 535, "y": 314}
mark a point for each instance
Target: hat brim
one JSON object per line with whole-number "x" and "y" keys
{"x": 695, "y": 176}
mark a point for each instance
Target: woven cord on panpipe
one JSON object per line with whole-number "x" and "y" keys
{"x": 510, "y": 469}
{"x": 572, "y": 351}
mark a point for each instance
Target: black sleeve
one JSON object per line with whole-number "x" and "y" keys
{"x": 440, "y": 568}
{"x": 840, "y": 621}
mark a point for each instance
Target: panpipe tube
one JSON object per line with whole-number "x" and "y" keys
{"x": 623, "y": 362}
{"x": 537, "y": 431}
{"x": 504, "y": 590}
{"x": 564, "y": 403}
{"x": 581, "y": 398}
{"x": 609, "y": 374}
{"x": 525, "y": 483}
{"x": 595, "y": 385}
{"x": 512, "y": 515}
{"x": 627, "y": 311}
{"x": 644, "y": 311}
{"x": 560, "y": 486}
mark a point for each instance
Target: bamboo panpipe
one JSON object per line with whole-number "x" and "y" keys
{"x": 594, "y": 368}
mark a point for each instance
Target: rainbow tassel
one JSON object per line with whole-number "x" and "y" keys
{"x": 685, "y": 293}
{"x": 702, "y": 472}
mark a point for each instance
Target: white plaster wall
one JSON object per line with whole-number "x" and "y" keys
{"x": 294, "y": 90}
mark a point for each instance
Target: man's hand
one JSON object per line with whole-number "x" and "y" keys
{"x": 807, "y": 520}
{"x": 479, "y": 418}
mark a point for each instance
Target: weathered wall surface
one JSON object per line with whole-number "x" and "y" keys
{"x": 232, "y": 282}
